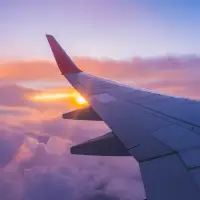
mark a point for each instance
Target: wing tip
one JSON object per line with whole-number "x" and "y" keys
{"x": 64, "y": 63}
{"x": 49, "y": 35}
{"x": 50, "y": 38}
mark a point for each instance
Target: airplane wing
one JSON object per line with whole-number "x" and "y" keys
{"x": 161, "y": 132}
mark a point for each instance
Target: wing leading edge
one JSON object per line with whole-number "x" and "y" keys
{"x": 150, "y": 126}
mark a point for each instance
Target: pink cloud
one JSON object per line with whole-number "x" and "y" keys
{"x": 168, "y": 72}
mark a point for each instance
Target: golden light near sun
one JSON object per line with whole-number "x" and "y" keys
{"x": 51, "y": 96}
{"x": 58, "y": 96}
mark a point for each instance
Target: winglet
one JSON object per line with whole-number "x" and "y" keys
{"x": 63, "y": 61}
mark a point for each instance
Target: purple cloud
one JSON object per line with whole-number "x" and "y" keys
{"x": 9, "y": 146}
{"x": 14, "y": 95}
{"x": 47, "y": 186}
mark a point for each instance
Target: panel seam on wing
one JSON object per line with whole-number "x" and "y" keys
{"x": 164, "y": 155}
{"x": 164, "y": 115}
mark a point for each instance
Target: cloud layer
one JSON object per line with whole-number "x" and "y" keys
{"x": 30, "y": 170}
{"x": 169, "y": 74}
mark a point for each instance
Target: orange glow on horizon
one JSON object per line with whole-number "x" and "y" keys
{"x": 51, "y": 97}
{"x": 59, "y": 96}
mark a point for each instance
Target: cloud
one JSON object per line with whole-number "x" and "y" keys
{"x": 11, "y": 186}
{"x": 33, "y": 70}
{"x": 47, "y": 186}
{"x": 40, "y": 158}
{"x": 38, "y": 171}
{"x": 89, "y": 177}
{"x": 10, "y": 111}
{"x": 181, "y": 72}
{"x": 14, "y": 95}
{"x": 9, "y": 146}
{"x": 81, "y": 177}
{"x": 44, "y": 70}
{"x": 89, "y": 180}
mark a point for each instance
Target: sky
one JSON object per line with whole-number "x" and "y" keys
{"x": 103, "y": 29}
{"x": 150, "y": 44}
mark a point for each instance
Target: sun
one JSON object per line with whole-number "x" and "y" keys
{"x": 80, "y": 100}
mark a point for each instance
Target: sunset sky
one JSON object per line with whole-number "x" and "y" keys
{"x": 103, "y": 29}
{"x": 151, "y": 44}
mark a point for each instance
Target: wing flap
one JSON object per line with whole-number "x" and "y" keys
{"x": 83, "y": 114}
{"x": 106, "y": 145}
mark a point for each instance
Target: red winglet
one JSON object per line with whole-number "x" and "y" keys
{"x": 64, "y": 63}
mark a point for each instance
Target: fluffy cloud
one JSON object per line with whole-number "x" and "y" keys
{"x": 34, "y": 165}
{"x": 9, "y": 145}
{"x": 81, "y": 177}
{"x": 14, "y": 95}
{"x": 47, "y": 186}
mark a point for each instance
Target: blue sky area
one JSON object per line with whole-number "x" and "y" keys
{"x": 116, "y": 29}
